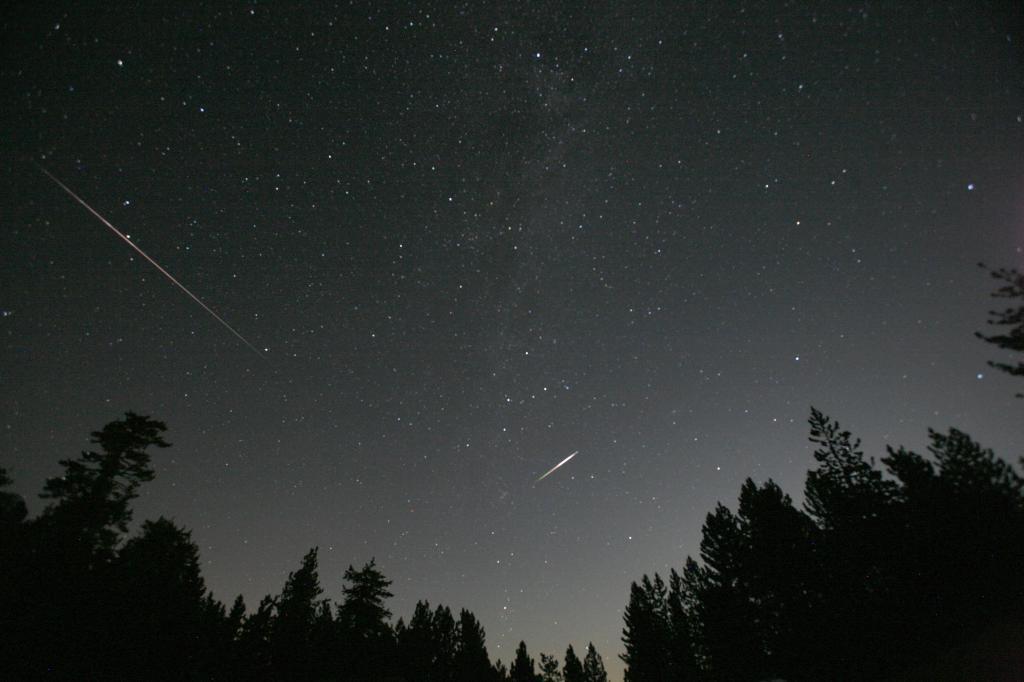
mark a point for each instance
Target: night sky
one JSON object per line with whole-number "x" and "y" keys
{"x": 474, "y": 238}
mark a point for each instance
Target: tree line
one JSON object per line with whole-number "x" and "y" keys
{"x": 80, "y": 599}
{"x": 909, "y": 570}
{"x": 887, "y": 571}
{"x": 877, "y": 575}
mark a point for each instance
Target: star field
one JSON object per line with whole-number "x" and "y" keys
{"x": 473, "y": 238}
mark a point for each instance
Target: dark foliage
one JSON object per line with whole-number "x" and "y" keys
{"x": 523, "y": 668}
{"x": 1010, "y": 320}
{"x": 572, "y": 669}
{"x": 593, "y": 666}
{"x": 549, "y": 671}
{"x": 910, "y": 571}
{"x": 12, "y": 507}
{"x": 471, "y": 660}
{"x": 881, "y": 575}
{"x": 79, "y": 600}
{"x": 60, "y": 598}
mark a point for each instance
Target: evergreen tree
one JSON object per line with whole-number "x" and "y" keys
{"x": 13, "y": 556}
{"x": 970, "y": 472}
{"x": 845, "y": 490}
{"x": 1011, "y": 339}
{"x": 324, "y": 643}
{"x": 162, "y": 621}
{"x": 291, "y": 637}
{"x": 61, "y": 586}
{"x": 230, "y": 661}
{"x": 522, "y": 669}
{"x": 573, "y": 667}
{"x": 647, "y": 634}
{"x": 12, "y": 507}
{"x": 214, "y": 642}
{"x": 730, "y": 640}
{"x": 93, "y": 496}
{"x": 415, "y": 644}
{"x": 681, "y": 653}
{"x": 914, "y": 565}
{"x": 962, "y": 542}
{"x": 363, "y": 609}
{"x": 781, "y": 582}
{"x": 691, "y": 591}
{"x": 549, "y": 669}
{"x": 428, "y": 647}
{"x": 236, "y": 616}
{"x": 445, "y": 640}
{"x": 593, "y": 666}
{"x": 854, "y": 507}
{"x": 253, "y": 652}
{"x": 362, "y": 618}
{"x": 471, "y": 661}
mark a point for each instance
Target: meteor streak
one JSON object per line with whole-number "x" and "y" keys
{"x": 152, "y": 262}
{"x": 552, "y": 469}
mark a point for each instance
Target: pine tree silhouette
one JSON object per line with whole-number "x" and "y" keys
{"x": 471, "y": 661}
{"x": 362, "y": 619}
{"x": 549, "y": 671}
{"x": 647, "y": 634}
{"x": 162, "y": 622}
{"x": 61, "y": 588}
{"x": 593, "y": 666}
{"x": 1011, "y": 339}
{"x": 523, "y": 669}
{"x": 292, "y": 628}
{"x": 572, "y": 669}
{"x": 12, "y": 506}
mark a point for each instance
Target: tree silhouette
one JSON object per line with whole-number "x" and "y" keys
{"x": 253, "y": 643}
{"x": 593, "y": 666}
{"x": 781, "y": 577}
{"x": 876, "y": 580}
{"x": 730, "y": 637}
{"x": 61, "y": 585}
{"x": 231, "y": 660}
{"x": 12, "y": 506}
{"x": 93, "y": 494}
{"x": 292, "y": 629}
{"x": 235, "y": 617}
{"x": 845, "y": 489}
{"x": 1011, "y": 339}
{"x": 415, "y": 643}
{"x": 853, "y": 504}
{"x": 882, "y": 575}
{"x": 682, "y": 630}
{"x": 428, "y": 647}
{"x": 324, "y": 643}
{"x": 962, "y": 519}
{"x": 471, "y": 661}
{"x": 80, "y": 601}
{"x": 445, "y": 640}
{"x": 573, "y": 667}
{"x": 522, "y": 669}
{"x": 12, "y": 515}
{"x": 163, "y": 623}
{"x": 362, "y": 619}
{"x": 549, "y": 669}
{"x": 647, "y": 633}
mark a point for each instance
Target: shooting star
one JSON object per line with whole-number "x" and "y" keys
{"x": 152, "y": 262}
{"x": 552, "y": 469}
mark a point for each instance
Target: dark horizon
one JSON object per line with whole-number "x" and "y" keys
{"x": 474, "y": 240}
